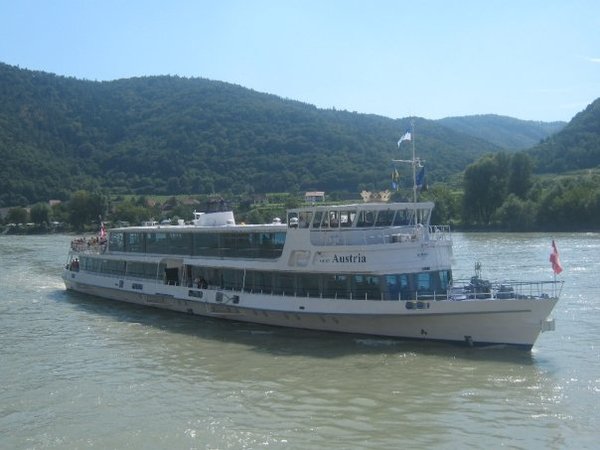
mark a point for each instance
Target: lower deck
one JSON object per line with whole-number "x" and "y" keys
{"x": 513, "y": 322}
{"x": 305, "y": 284}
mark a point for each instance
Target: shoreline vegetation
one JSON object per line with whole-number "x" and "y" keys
{"x": 487, "y": 203}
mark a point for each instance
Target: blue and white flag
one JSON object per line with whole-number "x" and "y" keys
{"x": 405, "y": 137}
{"x": 420, "y": 180}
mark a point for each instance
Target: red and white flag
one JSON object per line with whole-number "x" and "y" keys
{"x": 102, "y": 231}
{"x": 555, "y": 260}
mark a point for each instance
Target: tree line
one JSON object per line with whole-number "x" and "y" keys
{"x": 497, "y": 192}
{"x": 501, "y": 192}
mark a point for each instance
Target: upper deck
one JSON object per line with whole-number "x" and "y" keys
{"x": 361, "y": 215}
{"x": 366, "y": 227}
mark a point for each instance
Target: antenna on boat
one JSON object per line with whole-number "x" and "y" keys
{"x": 414, "y": 162}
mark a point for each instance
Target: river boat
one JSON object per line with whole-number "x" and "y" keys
{"x": 366, "y": 268}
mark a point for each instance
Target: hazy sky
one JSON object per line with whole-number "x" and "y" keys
{"x": 530, "y": 59}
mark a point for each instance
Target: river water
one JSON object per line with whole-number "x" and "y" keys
{"x": 81, "y": 372}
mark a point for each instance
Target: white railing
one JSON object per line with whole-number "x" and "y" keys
{"x": 374, "y": 236}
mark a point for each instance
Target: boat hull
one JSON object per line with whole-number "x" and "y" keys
{"x": 514, "y": 322}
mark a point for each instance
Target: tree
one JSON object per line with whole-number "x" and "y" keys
{"x": 85, "y": 207}
{"x": 519, "y": 180}
{"x": 516, "y": 214}
{"x": 40, "y": 213}
{"x": 131, "y": 212}
{"x": 446, "y": 207}
{"x": 17, "y": 215}
{"x": 485, "y": 184}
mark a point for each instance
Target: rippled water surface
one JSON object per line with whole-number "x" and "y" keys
{"x": 81, "y": 372}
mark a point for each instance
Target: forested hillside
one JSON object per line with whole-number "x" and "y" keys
{"x": 575, "y": 147}
{"x": 170, "y": 135}
{"x": 506, "y": 132}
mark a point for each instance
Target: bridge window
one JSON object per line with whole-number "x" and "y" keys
{"x": 365, "y": 219}
{"x": 385, "y": 218}
{"x": 134, "y": 242}
{"x": 317, "y": 219}
{"x": 116, "y": 242}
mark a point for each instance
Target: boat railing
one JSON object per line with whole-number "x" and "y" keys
{"x": 503, "y": 290}
{"x": 92, "y": 245}
{"x": 374, "y": 236}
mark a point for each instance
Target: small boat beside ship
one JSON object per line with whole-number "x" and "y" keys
{"x": 368, "y": 268}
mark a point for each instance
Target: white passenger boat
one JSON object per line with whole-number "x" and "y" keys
{"x": 368, "y": 268}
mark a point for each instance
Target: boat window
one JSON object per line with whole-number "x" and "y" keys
{"x": 423, "y": 216}
{"x": 304, "y": 219}
{"x": 116, "y": 242}
{"x": 180, "y": 243}
{"x": 365, "y": 219}
{"x": 259, "y": 281}
{"x": 424, "y": 281}
{"x": 157, "y": 243}
{"x": 293, "y": 220}
{"x": 206, "y": 244}
{"x": 385, "y": 218}
{"x": 444, "y": 279}
{"x": 85, "y": 263}
{"x": 317, "y": 219}
{"x": 325, "y": 220}
{"x": 392, "y": 285}
{"x": 242, "y": 245}
{"x": 249, "y": 278}
{"x": 403, "y": 280}
{"x": 231, "y": 279}
{"x": 134, "y": 242}
{"x": 403, "y": 217}
{"x": 365, "y": 287}
{"x": 347, "y": 218}
{"x": 142, "y": 270}
{"x": 114, "y": 267}
{"x": 283, "y": 283}
{"x": 336, "y": 286}
{"x": 235, "y": 244}
{"x": 403, "y": 287}
{"x": 334, "y": 219}
{"x": 308, "y": 285}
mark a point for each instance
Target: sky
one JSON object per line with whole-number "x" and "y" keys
{"x": 529, "y": 59}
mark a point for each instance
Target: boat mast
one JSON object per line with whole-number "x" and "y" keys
{"x": 415, "y": 163}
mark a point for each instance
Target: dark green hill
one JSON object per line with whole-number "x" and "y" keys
{"x": 505, "y": 132}
{"x": 171, "y": 135}
{"x": 575, "y": 147}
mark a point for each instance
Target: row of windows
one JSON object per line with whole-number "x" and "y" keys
{"x": 151, "y": 271}
{"x": 360, "y": 219}
{"x": 355, "y": 286}
{"x": 233, "y": 245}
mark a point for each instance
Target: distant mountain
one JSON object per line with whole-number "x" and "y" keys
{"x": 172, "y": 135}
{"x": 575, "y": 147}
{"x": 505, "y": 132}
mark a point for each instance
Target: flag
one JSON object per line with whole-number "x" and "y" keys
{"x": 102, "y": 231}
{"x": 395, "y": 179}
{"x": 555, "y": 260}
{"x": 420, "y": 180}
{"x": 405, "y": 137}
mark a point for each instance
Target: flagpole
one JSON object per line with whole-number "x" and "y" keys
{"x": 414, "y": 162}
{"x": 414, "y": 165}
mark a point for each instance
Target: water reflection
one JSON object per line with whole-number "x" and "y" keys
{"x": 287, "y": 341}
